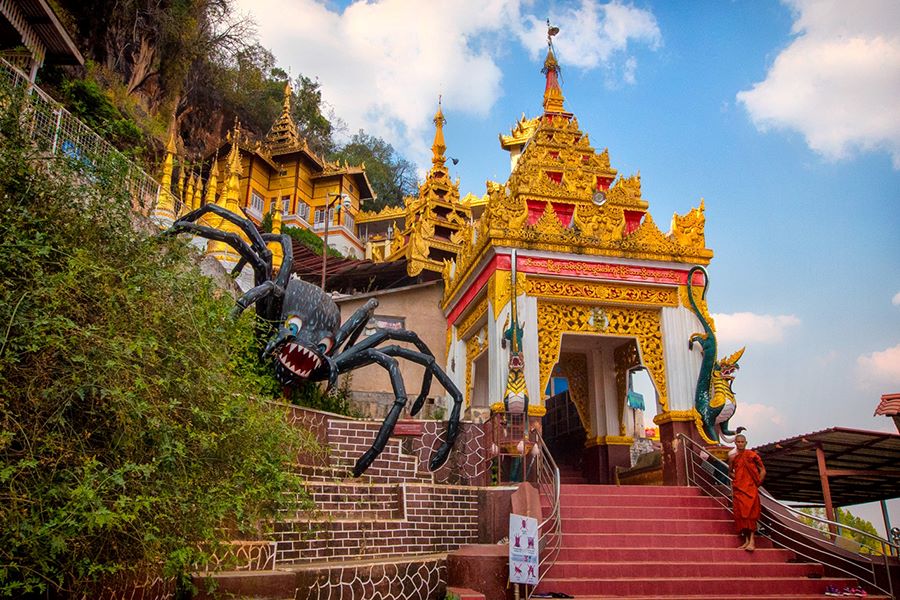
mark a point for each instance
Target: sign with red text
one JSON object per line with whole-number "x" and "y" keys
{"x": 523, "y": 549}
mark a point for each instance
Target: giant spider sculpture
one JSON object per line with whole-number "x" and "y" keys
{"x": 305, "y": 338}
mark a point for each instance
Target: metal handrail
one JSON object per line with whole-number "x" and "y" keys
{"x": 550, "y": 529}
{"x": 507, "y": 433}
{"x": 788, "y": 527}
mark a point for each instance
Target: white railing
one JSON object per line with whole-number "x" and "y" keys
{"x": 56, "y": 132}
{"x": 807, "y": 535}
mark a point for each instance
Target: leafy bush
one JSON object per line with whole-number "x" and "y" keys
{"x": 129, "y": 432}
{"x": 86, "y": 100}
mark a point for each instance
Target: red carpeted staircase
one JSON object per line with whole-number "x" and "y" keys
{"x": 669, "y": 542}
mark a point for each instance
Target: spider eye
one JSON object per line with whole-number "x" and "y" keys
{"x": 325, "y": 345}
{"x": 294, "y": 324}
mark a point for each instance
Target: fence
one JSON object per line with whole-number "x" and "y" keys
{"x": 57, "y": 133}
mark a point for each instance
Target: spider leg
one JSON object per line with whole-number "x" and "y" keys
{"x": 354, "y": 359}
{"x": 256, "y": 253}
{"x": 431, "y": 366}
{"x": 354, "y": 326}
{"x": 287, "y": 251}
{"x": 255, "y": 294}
{"x": 403, "y": 335}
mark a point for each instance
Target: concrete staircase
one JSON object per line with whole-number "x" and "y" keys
{"x": 385, "y": 534}
{"x": 668, "y": 542}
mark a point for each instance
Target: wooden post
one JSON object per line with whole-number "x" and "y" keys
{"x": 826, "y": 490}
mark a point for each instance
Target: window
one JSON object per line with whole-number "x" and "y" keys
{"x": 257, "y": 202}
{"x": 285, "y": 205}
{"x": 318, "y": 218}
{"x": 303, "y": 210}
{"x": 350, "y": 187}
{"x": 348, "y": 221}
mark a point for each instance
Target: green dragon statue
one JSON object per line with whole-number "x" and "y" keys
{"x": 714, "y": 399}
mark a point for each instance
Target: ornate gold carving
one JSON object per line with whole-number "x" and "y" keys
{"x": 604, "y": 222}
{"x": 465, "y": 326}
{"x": 626, "y": 192}
{"x": 609, "y": 440}
{"x": 701, "y": 303}
{"x": 475, "y": 345}
{"x": 498, "y": 289}
{"x": 574, "y": 368}
{"x": 688, "y": 229}
{"x": 625, "y": 357}
{"x": 521, "y": 132}
{"x": 673, "y": 416}
{"x": 549, "y": 223}
{"x": 587, "y": 290}
{"x": 641, "y": 323}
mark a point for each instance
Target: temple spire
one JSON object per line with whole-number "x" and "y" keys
{"x": 553, "y": 96}
{"x": 283, "y": 133}
{"x": 438, "y": 147}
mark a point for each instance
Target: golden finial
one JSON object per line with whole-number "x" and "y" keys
{"x": 189, "y": 192}
{"x": 213, "y": 181}
{"x": 438, "y": 147}
{"x": 553, "y": 96}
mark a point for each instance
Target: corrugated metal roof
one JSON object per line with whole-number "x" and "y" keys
{"x": 863, "y": 466}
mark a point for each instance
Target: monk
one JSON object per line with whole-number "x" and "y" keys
{"x": 747, "y": 474}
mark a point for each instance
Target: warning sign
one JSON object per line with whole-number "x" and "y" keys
{"x": 523, "y": 549}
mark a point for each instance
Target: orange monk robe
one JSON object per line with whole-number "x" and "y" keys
{"x": 745, "y": 489}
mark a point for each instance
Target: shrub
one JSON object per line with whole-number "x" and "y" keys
{"x": 129, "y": 432}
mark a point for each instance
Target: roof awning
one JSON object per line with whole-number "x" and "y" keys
{"x": 859, "y": 466}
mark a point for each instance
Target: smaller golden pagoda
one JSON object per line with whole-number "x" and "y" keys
{"x": 429, "y": 229}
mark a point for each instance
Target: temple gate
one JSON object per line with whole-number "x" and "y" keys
{"x": 600, "y": 290}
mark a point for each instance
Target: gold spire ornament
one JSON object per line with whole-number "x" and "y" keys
{"x": 165, "y": 204}
{"x": 553, "y": 96}
{"x": 439, "y": 146}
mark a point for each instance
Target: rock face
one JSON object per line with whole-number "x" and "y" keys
{"x": 213, "y": 269}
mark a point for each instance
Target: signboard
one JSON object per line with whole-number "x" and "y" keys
{"x": 408, "y": 428}
{"x": 523, "y": 549}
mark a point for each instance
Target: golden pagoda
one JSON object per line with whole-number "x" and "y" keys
{"x": 427, "y": 231}
{"x": 601, "y": 291}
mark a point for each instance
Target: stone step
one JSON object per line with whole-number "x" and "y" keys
{"x": 648, "y": 527}
{"x": 641, "y": 512}
{"x": 629, "y": 490}
{"x": 673, "y": 555}
{"x": 683, "y": 569}
{"x": 742, "y": 587}
{"x": 661, "y": 540}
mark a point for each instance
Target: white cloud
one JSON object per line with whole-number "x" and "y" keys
{"x": 838, "y": 82}
{"x": 763, "y": 422}
{"x": 896, "y": 299}
{"x": 746, "y": 327}
{"x": 382, "y": 63}
{"x": 592, "y": 34}
{"x": 879, "y": 370}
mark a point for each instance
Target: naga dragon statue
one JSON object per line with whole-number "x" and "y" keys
{"x": 713, "y": 399}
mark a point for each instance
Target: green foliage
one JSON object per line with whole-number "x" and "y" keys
{"x": 85, "y": 99}
{"x": 337, "y": 400}
{"x": 392, "y": 176}
{"x": 845, "y": 517}
{"x": 310, "y": 240}
{"x": 129, "y": 432}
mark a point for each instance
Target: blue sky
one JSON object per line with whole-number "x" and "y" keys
{"x": 783, "y": 116}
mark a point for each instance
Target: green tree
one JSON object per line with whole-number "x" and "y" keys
{"x": 392, "y": 176}
{"x": 845, "y": 517}
{"x": 132, "y": 436}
